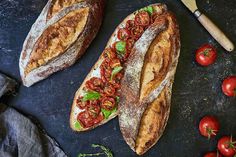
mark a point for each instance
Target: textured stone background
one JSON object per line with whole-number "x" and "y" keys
{"x": 196, "y": 90}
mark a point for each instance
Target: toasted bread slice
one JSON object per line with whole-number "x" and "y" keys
{"x": 60, "y": 35}
{"x": 95, "y": 72}
{"x": 146, "y": 89}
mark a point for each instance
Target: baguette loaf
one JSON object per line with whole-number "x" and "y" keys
{"x": 60, "y": 35}
{"x": 87, "y": 110}
{"x": 145, "y": 95}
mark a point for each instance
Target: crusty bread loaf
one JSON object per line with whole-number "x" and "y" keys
{"x": 146, "y": 87}
{"x": 60, "y": 35}
{"x": 95, "y": 72}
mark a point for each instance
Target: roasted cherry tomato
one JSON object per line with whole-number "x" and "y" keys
{"x": 136, "y": 32}
{"x": 123, "y": 34}
{"x": 212, "y": 154}
{"x": 229, "y": 86}
{"x": 130, "y": 43}
{"x": 81, "y": 104}
{"x": 95, "y": 84}
{"x": 93, "y": 108}
{"x": 142, "y": 19}
{"x": 226, "y": 146}
{"x": 129, "y": 24}
{"x": 109, "y": 53}
{"x": 206, "y": 55}
{"x": 209, "y": 126}
{"x": 109, "y": 90}
{"x": 99, "y": 118}
{"x": 85, "y": 119}
{"x": 108, "y": 103}
{"x": 115, "y": 62}
{"x": 105, "y": 71}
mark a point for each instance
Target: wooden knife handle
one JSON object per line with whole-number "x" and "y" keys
{"x": 216, "y": 33}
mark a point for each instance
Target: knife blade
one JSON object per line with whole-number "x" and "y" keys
{"x": 216, "y": 33}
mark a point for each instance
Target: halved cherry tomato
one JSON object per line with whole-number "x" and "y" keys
{"x": 93, "y": 108}
{"x": 99, "y": 118}
{"x": 226, "y": 146}
{"x": 130, "y": 43}
{"x": 95, "y": 84}
{"x": 85, "y": 119}
{"x": 142, "y": 19}
{"x": 109, "y": 53}
{"x": 130, "y": 24}
{"x": 206, "y": 55}
{"x": 115, "y": 62}
{"x": 109, "y": 90}
{"x": 229, "y": 86}
{"x": 123, "y": 34}
{"x": 136, "y": 32}
{"x": 212, "y": 154}
{"x": 81, "y": 104}
{"x": 209, "y": 126}
{"x": 105, "y": 71}
{"x": 108, "y": 103}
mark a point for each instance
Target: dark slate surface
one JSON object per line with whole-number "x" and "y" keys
{"x": 196, "y": 90}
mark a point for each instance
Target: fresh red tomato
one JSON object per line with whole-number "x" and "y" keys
{"x": 123, "y": 34}
{"x": 142, "y": 19}
{"x": 212, "y": 154}
{"x": 226, "y": 146}
{"x": 206, "y": 55}
{"x": 209, "y": 126}
{"x": 229, "y": 86}
{"x": 108, "y": 103}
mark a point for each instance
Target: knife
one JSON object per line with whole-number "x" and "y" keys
{"x": 216, "y": 33}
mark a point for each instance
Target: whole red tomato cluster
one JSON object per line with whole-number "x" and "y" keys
{"x": 209, "y": 126}
{"x": 206, "y": 55}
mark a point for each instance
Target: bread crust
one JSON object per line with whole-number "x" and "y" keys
{"x": 146, "y": 89}
{"x": 71, "y": 52}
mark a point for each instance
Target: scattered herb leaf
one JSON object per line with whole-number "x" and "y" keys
{"x": 149, "y": 9}
{"x": 105, "y": 150}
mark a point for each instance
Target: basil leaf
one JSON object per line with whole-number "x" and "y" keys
{"x": 91, "y": 96}
{"x": 78, "y": 125}
{"x": 107, "y": 113}
{"x": 120, "y": 47}
{"x": 149, "y": 9}
{"x": 115, "y": 71}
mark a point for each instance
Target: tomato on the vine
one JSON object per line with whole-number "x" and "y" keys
{"x": 206, "y": 55}
{"x": 209, "y": 126}
{"x": 229, "y": 86}
{"x": 226, "y": 146}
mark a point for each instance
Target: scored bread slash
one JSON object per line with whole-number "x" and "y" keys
{"x": 60, "y": 35}
{"x": 97, "y": 100}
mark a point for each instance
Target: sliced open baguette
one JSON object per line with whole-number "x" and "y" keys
{"x": 60, "y": 35}
{"x": 145, "y": 95}
{"x": 154, "y": 11}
